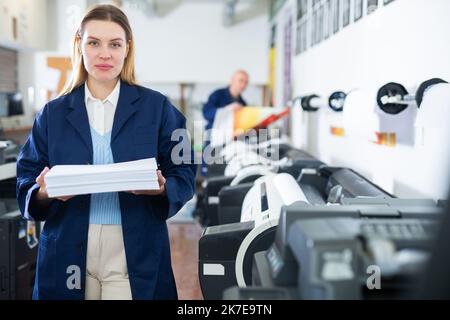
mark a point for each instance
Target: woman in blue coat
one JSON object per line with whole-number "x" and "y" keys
{"x": 105, "y": 245}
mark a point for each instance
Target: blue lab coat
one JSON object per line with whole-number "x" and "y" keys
{"x": 218, "y": 99}
{"x": 143, "y": 124}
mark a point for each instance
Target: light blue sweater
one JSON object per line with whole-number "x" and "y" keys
{"x": 105, "y": 207}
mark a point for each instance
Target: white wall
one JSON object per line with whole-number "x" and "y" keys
{"x": 407, "y": 42}
{"x": 33, "y": 35}
{"x": 27, "y": 80}
{"x": 68, "y": 16}
{"x": 31, "y": 24}
{"x": 63, "y": 19}
{"x": 280, "y": 21}
{"x": 191, "y": 44}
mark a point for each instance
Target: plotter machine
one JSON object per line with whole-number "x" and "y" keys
{"x": 326, "y": 252}
{"x": 243, "y": 176}
{"x": 259, "y": 215}
{"x": 320, "y": 185}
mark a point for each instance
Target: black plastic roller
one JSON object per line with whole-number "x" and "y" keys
{"x": 390, "y": 90}
{"x": 336, "y": 101}
{"x": 305, "y": 102}
{"x": 424, "y": 86}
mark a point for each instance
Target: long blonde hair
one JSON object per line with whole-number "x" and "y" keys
{"x": 102, "y": 13}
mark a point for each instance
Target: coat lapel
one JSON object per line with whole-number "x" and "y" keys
{"x": 78, "y": 117}
{"x": 126, "y": 107}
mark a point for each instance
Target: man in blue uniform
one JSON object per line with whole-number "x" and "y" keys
{"x": 226, "y": 96}
{"x": 231, "y": 95}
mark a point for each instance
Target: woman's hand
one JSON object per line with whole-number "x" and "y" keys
{"x": 161, "y": 191}
{"x": 42, "y": 194}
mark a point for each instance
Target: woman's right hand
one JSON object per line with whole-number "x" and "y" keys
{"x": 42, "y": 194}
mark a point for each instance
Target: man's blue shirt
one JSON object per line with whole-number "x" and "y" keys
{"x": 219, "y": 99}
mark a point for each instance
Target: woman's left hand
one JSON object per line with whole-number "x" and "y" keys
{"x": 161, "y": 191}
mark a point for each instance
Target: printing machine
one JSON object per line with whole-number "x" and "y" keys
{"x": 244, "y": 146}
{"x": 18, "y": 252}
{"x": 337, "y": 256}
{"x": 436, "y": 281}
{"x": 293, "y": 162}
{"x": 321, "y": 185}
{"x": 220, "y": 269}
{"x": 247, "y": 150}
{"x": 289, "y": 268}
{"x": 217, "y": 267}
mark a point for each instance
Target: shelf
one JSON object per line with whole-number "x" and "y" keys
{"x": 7, "y": 171}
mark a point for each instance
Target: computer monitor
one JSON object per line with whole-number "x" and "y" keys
{"x": 15, "y": 104}
{"x": 11, "y": 104}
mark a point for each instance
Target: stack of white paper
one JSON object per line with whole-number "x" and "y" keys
{"x": 223, "y": 126}
{"x": 68, "y": 180}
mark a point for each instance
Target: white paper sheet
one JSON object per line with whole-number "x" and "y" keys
{"x": 223, "y": 126}
{"x": 66, "y": 180}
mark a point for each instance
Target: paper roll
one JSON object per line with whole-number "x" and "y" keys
{"x": 434, "y": 111}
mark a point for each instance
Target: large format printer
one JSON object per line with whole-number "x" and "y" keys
{"x": 338, "y": 256}
{"x": 220, "y": 269}
{"x": 293, "y": 162}
{"x": 328, "y": 252}
{"x": 320, "y": 185}
{"x": 246, "y": 150}
{"x": 221, "y": 156}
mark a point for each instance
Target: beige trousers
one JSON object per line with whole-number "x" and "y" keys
{"x": 106, "y": 266}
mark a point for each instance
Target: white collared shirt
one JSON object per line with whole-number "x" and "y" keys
{"x": 101, "y": 113}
